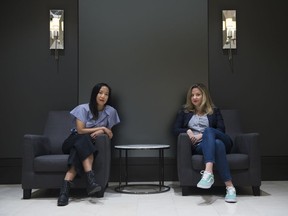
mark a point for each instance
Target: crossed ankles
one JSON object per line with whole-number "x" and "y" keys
{"x": 92, "y": 188}
{"x": 207, "y": 181}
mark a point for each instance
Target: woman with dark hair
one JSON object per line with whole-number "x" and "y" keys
{"x": 91, "y": 119}
{"x": 203, "y": 123}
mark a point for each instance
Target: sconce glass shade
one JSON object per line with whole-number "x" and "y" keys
{"x": 56, "y": 29}
{"x": 229, "y": 29}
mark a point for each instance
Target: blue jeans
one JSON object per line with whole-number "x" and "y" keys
{"x": 214, "y": 147}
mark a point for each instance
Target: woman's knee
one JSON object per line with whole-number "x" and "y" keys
{"x": 208, "y": 132}
{"x": 219, "y": 146}
{"x": 85, "y": 137}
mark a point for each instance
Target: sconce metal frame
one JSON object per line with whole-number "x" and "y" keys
{"x": 56, "y": 28}
{"x": 229, "y": 29}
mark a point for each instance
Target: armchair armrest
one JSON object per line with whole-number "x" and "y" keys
{"x": 102, "y": 161}
{"x": 248, "y": 144}
{"x": 184, "y": 162}
{"x": 34, "y": 145}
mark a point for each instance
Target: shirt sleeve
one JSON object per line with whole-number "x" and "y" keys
{"x": 113, "y": 118}
{"x": 179, "y": 126}
{"x": 80, "y": 112}
{"x": 219, "y": 120}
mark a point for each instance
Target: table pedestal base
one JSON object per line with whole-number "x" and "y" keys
{"x": 142, "y": 188}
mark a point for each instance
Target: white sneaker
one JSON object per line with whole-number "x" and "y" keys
{"x": 206, "y": 181}
{"x": 230, "y": 195}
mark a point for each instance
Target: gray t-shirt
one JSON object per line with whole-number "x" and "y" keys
{"x": 198, "y": 123}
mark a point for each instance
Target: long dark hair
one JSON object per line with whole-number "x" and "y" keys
{"x": 93, "y": 102}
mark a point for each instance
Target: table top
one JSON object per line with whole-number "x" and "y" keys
{"x": 142, "y": 146}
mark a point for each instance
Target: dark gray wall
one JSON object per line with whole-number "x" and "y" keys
{"x": 32, "y": 83}
{"x": 258, "y": 84}
{"x": 150, "y": 52}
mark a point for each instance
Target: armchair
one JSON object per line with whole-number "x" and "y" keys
{"x": 244, "y": 159}
{"x": 44, "y": 165}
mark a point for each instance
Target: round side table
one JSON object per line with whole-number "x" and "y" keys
{"x": 141, "y": 188}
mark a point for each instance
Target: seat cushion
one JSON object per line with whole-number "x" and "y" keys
{"x": 235, "y": 161}
{"x": 51, "y": 163}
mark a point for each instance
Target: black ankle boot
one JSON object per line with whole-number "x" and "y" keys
{"x": 64, "y": 194}
{"x": 92, "y": 186}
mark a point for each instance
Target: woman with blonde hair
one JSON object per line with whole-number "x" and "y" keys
{"x": 203, "y": 123}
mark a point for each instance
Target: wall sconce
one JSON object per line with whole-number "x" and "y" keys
{"x": 56, "y": 31}
{"x": 229, "y": 31}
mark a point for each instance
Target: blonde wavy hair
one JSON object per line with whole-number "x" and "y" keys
{"x": 207, "y": 104}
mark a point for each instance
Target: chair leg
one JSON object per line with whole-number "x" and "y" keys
{"x": 256, "y": 190}
{"x": 27, "y": 193}
{"x": 186, "y": 190}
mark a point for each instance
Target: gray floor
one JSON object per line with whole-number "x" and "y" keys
{"x": 273, "y": 201}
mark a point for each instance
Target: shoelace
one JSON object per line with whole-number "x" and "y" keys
{"x": 205, "y": 175}
{"x": 230, "y": 190}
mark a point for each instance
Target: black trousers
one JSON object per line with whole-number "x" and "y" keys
{"x": 79, "y": 147}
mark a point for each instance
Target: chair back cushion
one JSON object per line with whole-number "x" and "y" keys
{"x": 232, "y": 122}
{"x": 57, "y": 129}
